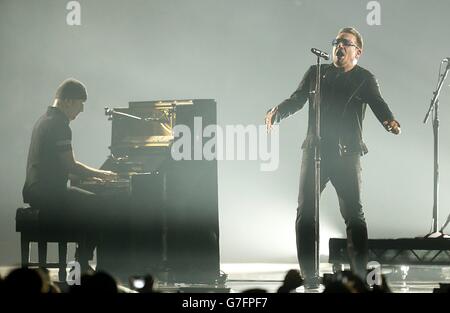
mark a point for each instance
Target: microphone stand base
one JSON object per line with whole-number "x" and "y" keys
{"x": 437, "y": 234}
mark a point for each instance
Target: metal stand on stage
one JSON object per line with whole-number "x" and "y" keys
{"x": 317, "y": 160}
{"x": 434, "y": 108}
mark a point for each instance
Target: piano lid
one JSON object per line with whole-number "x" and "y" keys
{"x": 160, "y": 103}
{"x": 151, "y": 129}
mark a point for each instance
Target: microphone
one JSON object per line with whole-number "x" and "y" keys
{"x": 447, "y": 59}
{"x": 320, "y": 53}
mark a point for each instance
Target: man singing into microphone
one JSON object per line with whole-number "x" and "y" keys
{"x": 346, "y": 89}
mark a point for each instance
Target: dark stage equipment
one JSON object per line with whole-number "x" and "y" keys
{"x": 415, "y": 251}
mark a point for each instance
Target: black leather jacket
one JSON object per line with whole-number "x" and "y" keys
{"x": 344, "y": 97}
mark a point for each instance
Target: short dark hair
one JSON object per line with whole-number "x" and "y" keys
{"x": 71, "y": 89}
{"x": 354, "y": 32}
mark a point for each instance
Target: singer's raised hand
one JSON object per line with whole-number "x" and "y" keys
{"x": 270, "y": 118}
{"x": 392, "y": 127}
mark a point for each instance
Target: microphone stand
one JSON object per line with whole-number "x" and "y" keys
{"x": 434, "y": 107}
{"x": 111, "y": 112}
{"x": 317, "y": 160}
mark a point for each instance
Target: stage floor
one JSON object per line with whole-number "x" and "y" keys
{"x": 269, "y": 276}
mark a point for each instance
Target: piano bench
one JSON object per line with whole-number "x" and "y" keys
{"x": 28, "y": 225}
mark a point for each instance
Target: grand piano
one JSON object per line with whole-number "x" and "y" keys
{"x": 161, "y": 215}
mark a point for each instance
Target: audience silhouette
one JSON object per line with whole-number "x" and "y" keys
{"x": 38, "y": 281}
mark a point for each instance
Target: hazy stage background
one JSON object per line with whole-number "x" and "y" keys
{"x": 249, "y": 56}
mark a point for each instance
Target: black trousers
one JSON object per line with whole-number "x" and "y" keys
{"x": 72, "y": 210}
{"x": 344, "y": 172}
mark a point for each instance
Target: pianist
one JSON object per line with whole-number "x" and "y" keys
{"x": 50, "y": 162}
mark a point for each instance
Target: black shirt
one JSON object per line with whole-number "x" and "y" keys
{"x": 344, "y": 97}
{"x": 46, "y": 174}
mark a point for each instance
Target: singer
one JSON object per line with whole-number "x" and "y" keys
{"x": 346, "y": 89}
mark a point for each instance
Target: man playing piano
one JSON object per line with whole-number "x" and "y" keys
{"x": 50, "y": 162}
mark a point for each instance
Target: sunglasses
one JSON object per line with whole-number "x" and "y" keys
{"x": 345, "y": 42}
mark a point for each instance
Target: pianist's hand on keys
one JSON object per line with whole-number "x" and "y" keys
{"x": 106, "y": 175}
